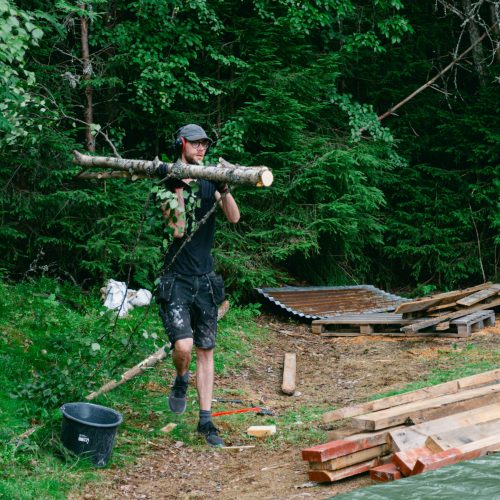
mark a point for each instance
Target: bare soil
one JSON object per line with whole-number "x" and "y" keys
{"x": 331, "y": 372}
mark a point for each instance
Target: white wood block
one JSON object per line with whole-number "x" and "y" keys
{"x": 261, "y": 430}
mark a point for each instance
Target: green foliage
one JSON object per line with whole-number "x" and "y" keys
{"x": 294, "y": 86}
{"x": 56, "y": 346}
{"x": 17, "y": 103}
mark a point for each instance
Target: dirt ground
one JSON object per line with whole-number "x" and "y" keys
{"x": 331, "y": 372}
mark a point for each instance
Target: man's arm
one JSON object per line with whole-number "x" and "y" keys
{"x": 228, "y": 205}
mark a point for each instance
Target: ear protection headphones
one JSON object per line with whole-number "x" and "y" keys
{"x": 178, "y": 143}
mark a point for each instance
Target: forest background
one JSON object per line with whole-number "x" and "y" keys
{"x": 410, "y": 201}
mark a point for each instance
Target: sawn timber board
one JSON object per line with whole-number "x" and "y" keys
{"x": 414, "y": 411}
{"x": 450, "y": 387}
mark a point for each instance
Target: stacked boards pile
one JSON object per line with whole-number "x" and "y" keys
{"x": 414, "y": 432}
{"x": 452, "y": 314}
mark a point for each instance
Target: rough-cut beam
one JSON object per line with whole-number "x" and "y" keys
{"x": 222, "y": 172}
{"x": 328, "y": 476}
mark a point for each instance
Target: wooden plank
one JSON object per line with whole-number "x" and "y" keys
{"x": 406, "y": 460}
{"x": 458, "y": 437}
{"x": 450, "y": 387}
{"x": 433, "y": 413}
{"x": 452, "y": 456}
{"x": 425, "y": 302}
{"x": 470, "y": 300}
{"x": 485, "y": 445}
{"x": 385, "y": 473}
{"x": 342, "y": 433}
{"x": 413, "y": 437}
{"x": 351, "y": 459}
{"x": 437, "y": 460}
{"x": 449, "y": 305}
{"x": 405, "y": 439}
{"x": 420, "y": 325}
{"x": 341, "y": 447}
{"x": 261, "y": 430}
{"x": 289, "y": 373}
{"x": 391, "y": 401}
{"x": 479, "y": 379}
{"x": 399, "y": 414}
{"x": 466, "y": 452}
{"x": 328, "y": 476}
{"x": 437, "y": 444}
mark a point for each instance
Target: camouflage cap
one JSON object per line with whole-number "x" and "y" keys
{"x": 193, "y": 132}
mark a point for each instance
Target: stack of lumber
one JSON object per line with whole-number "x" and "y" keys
{"x": 451, "y": 314}
{"x": 411, "y": 433}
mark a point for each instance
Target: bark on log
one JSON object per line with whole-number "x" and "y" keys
{"x": 222, "y": 172}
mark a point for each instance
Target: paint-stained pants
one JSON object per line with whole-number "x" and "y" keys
{"x": 188, "y": 307}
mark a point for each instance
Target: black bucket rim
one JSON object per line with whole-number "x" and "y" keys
{"x": 91, "y": 424}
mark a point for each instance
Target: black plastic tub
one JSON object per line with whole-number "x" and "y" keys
{"x": 89, "y": 430}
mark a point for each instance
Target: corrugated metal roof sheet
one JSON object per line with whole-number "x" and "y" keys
{"x": 326, "y": 301}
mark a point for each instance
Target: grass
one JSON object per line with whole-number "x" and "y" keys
{"x": 460, "y": 361}
{"x": 57, "y": 345}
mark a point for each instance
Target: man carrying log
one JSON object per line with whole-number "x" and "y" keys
{"x": 189, "y": 290}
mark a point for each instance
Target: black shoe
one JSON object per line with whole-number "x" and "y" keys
{"x": 211, "y": 434}
{"x": 177, "y": 396}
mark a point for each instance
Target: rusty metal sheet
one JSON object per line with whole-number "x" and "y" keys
{"x": 321, "y": 302}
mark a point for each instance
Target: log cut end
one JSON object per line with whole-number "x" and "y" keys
{"x": 266, "y": 179}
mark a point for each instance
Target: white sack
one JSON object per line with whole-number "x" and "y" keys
{"x": 114, "y": 293}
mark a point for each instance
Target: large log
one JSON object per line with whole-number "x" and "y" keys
{"x": 222, "y": 172}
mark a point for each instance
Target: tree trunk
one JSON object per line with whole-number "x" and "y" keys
{"x": 477, "y": 51}
{"x": 87, "y": 74}
{"x": 223, "y": 172}
{"x": 495, "y": 21}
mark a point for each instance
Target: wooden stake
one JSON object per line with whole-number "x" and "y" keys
{"x": 289, "y": 373}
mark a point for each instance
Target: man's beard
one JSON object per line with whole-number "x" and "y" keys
{"x": 193, "y": 160}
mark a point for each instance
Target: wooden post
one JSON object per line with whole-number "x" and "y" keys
{"x": 289, "y": 373}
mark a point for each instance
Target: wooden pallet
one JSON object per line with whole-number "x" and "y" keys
{"x": 349, "y": 325}
{"x": 353, "y": 325}
{"x": 473, "y": 322}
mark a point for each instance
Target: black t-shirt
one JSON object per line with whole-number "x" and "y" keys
{"x": 195, "y": 258}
